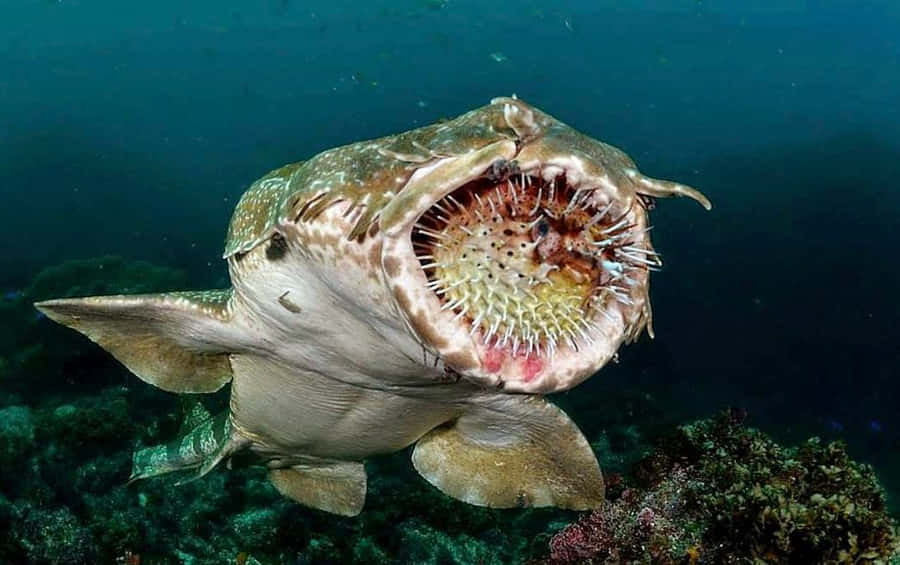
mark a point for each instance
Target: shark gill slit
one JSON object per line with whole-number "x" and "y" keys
{"x": 529, "y": 263}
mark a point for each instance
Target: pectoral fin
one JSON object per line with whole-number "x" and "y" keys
{"x": 176, "y": 341}
{"x": 515, "y": 451}
{"x": 339, "y": 488}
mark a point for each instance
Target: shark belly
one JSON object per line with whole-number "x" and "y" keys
{"x": 291, "y": 412}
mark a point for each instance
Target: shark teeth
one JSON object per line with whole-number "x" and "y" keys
{"x": 493, "y": 253}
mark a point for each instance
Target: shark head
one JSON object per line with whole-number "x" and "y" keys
{"x": 514, "y": 249}
{"x": 523, "y": 263}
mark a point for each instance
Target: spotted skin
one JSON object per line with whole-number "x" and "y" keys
{"x": 189, "y": 451}
{"x": 338, "y": 346}
{"x": 370, "y": 173}
{"x": 213, "y": 303}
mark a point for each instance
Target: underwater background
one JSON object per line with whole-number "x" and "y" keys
{"x": 128, "y": 131}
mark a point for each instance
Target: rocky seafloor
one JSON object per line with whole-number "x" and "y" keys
{"x": 711, "y": 491}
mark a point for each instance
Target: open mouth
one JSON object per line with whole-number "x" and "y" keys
{"x": 536, "y": 268}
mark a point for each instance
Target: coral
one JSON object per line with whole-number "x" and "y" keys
{"x": 257, "y": 527}
{"x": 366, "y": 550}
{"x": 53, "y": 536}
{"x": 89, "y": 422}
{"x": 17, "y": 446}
{"x": 716, "y": 491}
{"x": 641, "y": 526}
{"x": 117, "y": 523}
{"x": 423, "y": 544}
{"x": 807, "y": 504}
{"x": 16, "y": 433}
{"x": 10, "y": 551}
{"x": 713, "y": 492}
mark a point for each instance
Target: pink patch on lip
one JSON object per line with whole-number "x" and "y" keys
{"x": 493, "y": 359}
{"x": 533, "y": 366}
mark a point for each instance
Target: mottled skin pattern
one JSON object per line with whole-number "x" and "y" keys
{"x": 366, "y": 179}
{"x": 340, "y": 344}
{"x": 368, "y": 174}
{"x": 371, "y": 173}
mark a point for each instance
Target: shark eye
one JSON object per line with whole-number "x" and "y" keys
{"x": 277, "y": 247}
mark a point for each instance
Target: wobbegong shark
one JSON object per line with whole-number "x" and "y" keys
{"x": 423, "y": 289}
